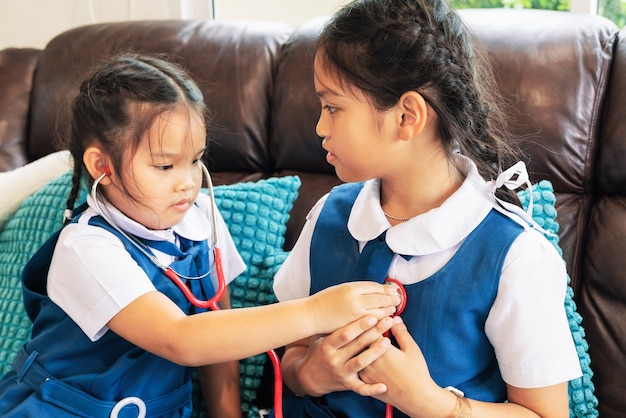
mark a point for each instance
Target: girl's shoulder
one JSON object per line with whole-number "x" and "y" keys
{"x": 533, "y": 253}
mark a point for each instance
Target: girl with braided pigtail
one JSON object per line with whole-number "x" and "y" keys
{"x": 412, "y": 125}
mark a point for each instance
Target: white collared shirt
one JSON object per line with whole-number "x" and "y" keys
{"x": 527, "y": 324}
{"x": 92, "y": 276}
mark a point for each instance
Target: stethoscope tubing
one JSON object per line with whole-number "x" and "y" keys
{"x": 212, "y": 303}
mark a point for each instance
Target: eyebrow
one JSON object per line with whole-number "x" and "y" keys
{"x": 326, "y": 91}
{"x": 176, "y": 154}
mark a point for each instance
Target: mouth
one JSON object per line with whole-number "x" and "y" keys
{"x": 330, "y": 158}
{"x": 182, "y": 205}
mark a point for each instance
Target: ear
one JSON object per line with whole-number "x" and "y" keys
{"x": 97, "y": 162}
{"x": 413, "y": 113}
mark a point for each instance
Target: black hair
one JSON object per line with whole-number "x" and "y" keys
{"x": 388, "y": 47}
{"x": 117, "y": 104}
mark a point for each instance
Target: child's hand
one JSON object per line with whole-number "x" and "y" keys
{"x": 332, "y": 363}
{"x": 339, "y": 305}
{"x": 411, "y": 389}
{"x": 405, "y": 373}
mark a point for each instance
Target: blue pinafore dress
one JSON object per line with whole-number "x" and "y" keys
{"x": 445, "y": 313}
{"x": 60, "y": 372}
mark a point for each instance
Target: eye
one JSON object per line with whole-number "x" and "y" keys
{"x": 164, "y": 167}
{"x": 330, "y": 109}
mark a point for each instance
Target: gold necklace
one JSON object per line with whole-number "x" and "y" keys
{"x": 397, "y": 218}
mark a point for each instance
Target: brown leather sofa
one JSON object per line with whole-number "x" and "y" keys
{"x": 563, "y": 74}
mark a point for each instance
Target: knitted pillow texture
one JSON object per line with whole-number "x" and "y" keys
{"x": 582, "y": 399}
{"x": 256, "y": 214}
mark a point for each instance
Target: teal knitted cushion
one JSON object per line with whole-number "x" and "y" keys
{"x": 582, "y": 400}
{"x": 24, "y": 232}
{"x": 255, "y": 213}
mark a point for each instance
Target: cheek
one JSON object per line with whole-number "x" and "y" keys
{"x": 147, "y": 184}
{"x": 199, "y": 180}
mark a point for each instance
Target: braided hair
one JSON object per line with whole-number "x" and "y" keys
{"x": 388, "y": 47}
{"x": 117, "y": 104}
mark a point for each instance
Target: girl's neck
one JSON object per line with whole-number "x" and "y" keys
{"x": 411, "y": 195}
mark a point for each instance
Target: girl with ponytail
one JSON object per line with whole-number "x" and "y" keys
{"x": 410, "y": 121}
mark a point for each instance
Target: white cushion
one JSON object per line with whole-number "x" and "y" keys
{"x": 16, "y": 185}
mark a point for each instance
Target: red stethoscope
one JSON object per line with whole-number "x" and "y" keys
{"x": 212, "y": 303}
{"x": 399, "y": 310}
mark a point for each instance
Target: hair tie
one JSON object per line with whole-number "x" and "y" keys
{"x": 515, "y": 177}
{"x": 67, "y": 215}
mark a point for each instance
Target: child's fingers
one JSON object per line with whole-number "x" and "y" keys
{"x": 365, "y": 389}
{"x": 401, "y": 334}
{"x": 350, "y": 301}
{"x": 381, "y": 299}
{"x": 367, "y": 287}
{"x": 368, "y": 354}
{"x": 345, "y": 335}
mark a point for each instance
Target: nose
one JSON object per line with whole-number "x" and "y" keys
{"x": 187, "y": 179}
{"x": 321, "y": 128}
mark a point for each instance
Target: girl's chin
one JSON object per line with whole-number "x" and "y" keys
{"x": 350, "y": 177}
{"x": 165, "y": 222}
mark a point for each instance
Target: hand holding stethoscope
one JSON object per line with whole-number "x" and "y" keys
{"x": 212, "y": 303}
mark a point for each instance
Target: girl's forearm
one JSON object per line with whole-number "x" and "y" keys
{"x": 240, "y": 333}
{"x": 157, "y": 325}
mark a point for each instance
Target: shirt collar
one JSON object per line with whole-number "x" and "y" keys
{"x": 438, "y": 229}
{"x": 194, "y": 226}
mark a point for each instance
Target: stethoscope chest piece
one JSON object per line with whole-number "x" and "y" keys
{"x": 401, "y": 291}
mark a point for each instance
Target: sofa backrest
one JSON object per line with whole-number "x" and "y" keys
{"x": 234, "y": 64}
{"x": 17, "y": 67}
{"x": 601, "y": 294}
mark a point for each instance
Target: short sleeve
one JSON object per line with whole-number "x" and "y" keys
{"x": 293, "y": 279}
{"x": 527, "y": 324}
{"x": 92, "y": 277}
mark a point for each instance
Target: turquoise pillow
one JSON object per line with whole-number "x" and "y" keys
{"x": 247, "y": 292}
{"x": 25, "y": 231}
{"x": 256, "y": 214}
{"x": 582, "y": 400}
